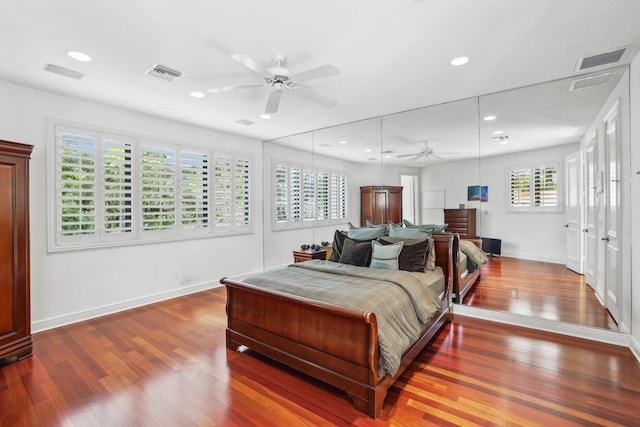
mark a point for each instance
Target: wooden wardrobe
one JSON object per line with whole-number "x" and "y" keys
{"x": 15, "y": 314}
{"x": 380, "y": 204}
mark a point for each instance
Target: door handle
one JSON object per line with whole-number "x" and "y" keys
{"x": 566, "y": 226}
{"x": 586, "y": 230}
{"x": 605, "y": 238}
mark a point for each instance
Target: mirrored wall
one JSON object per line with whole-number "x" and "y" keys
{"x": 439, "y": 151}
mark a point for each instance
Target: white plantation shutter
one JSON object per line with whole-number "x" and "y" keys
{"x": 295, "y": 201}
{"x": 546, "y": 186}
{"x": 534, "y": 188}
{"x": 158, "y": 193}
{"x": 308, "y": 194}
{"x": 520, "y": 185}
{"x": 76, "y": 185}
{"x": 304, "y": 196}
{"x": 110, "y": 188}
{"x": 242, "y": 192}
{"x": 117, "y": 190}
{"x": 281, "y": 199}
{"x": 222, "y": 192}
{"x": 194, "y": 190}
{"x": 322, "y": 195}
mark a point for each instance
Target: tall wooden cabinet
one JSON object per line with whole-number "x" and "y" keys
{"x": 461, "y": 221}
{"x": 380, "y": 204}
{"x": 15, "y": 314}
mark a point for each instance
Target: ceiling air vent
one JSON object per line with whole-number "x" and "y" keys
{"x": 245, "y": 122}
{"x": 164, "y": 73}
{"x": 600, "y": 59}
{"x": 590, "y": 81}
{"x": 63, "y": 71}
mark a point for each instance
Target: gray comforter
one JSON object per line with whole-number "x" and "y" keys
{"x": 401, "y": 302}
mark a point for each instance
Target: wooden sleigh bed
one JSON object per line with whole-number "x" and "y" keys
{"x": 301, "y": 333}
{"x": 463, "y": 277}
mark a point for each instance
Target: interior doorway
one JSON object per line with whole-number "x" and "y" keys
{"x": 410, "y": 198}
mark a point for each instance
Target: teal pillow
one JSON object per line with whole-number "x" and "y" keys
{"x": 407, "y": 233}
{"x": 366, "y": 233}
{"x": 385, "y": 256}
{"x": 432, "y": 228}
{"x": 386, "y": 226}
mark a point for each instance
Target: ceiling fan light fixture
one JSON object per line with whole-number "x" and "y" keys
{"x": 265, "y": 116}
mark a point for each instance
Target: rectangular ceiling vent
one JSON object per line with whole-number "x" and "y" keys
{"x": 589, "y": 81}
{"x": 164, "y": 73}
{"x": 600, "y": 59}
{"x": 245, "y": 122}
{"x": 63, "y": 71}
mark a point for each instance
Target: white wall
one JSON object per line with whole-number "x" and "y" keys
{"x": 635, "y": 203}
{"x": 536, "y": 236}
{"x": 70, "y": 286}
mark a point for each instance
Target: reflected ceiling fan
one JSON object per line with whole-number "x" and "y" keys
{"x": 426, "y": 152}
{"x": 280, "y": 78}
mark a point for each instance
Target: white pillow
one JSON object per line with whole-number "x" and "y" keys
{"x": 385, "y": 256}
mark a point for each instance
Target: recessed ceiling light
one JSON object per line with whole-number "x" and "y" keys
{"x": 367, "y": 150}
{"x": 197, "y": 94}
{"x": 265, "y": 116}
{"x": 498, "y": 132}
{"x": 489, "y": 118}
{"x": 343, "y": 142}
{"x": 461, "y": 60}
{"x": 78, "y": 56}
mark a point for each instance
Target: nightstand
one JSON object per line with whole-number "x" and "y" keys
{"x": 299, "y": 256}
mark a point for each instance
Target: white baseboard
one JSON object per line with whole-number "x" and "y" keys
{"x": 578, "y": 331}
{"x": 67, "y": 319}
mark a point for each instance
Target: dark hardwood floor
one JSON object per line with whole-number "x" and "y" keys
{"x": 539, "y": 289}
{"x": 166, "y": 365}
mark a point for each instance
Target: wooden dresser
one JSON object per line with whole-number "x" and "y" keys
{"x": 380, "y": 204}
{"x": 461, "y": 221}
{"x": 15, "y": 314}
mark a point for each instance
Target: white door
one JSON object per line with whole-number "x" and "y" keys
{"x": 590, "y": 230}
{"x": 573, "y": 214}
{"x": 612, "y": 212}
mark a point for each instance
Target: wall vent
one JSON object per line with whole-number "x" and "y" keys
{"x": 600, "y": 59}
{"x": 589, "y": 81}
{"x": 245, "y": 122}
{"x": 63, "y": 71}
{"x": 164, "y": 73}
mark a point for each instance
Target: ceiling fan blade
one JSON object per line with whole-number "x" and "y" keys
{"x": 251, "y": 64}
{"x": 408, "y": 155}
{"x": 314, "y": 97}
{"x": 317, "y": 73}
{"x": 273, "y": 102}
{"x": 236, "y": 87}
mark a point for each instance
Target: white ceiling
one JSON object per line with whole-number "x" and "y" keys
{"x": 393, "y": 55}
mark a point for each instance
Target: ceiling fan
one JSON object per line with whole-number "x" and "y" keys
{"x": 426, "y": 152}
{"x": 280, "y": 78}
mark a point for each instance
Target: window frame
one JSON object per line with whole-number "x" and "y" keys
{"x": 191, "y": 161}
{"x": 294, "y": 205}
{"x": 530, "y": 206}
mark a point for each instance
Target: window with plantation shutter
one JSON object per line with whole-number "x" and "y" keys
{"x": 110, "y": 188}
{"x": 158, "y": 192}
{"x": 303, "y": 196}
{"x": 117, "y": 187}
{"x": 535, "y": 188}
{"x": 194, "y": 190}
{"x": 322, "y": 195}
{"x": 76, "y": 185}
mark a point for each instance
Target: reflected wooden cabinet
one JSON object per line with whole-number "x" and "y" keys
{"x": 380, "y": 204}
{"x": 461, "y": 221}
{"x": 15, "y": 314}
